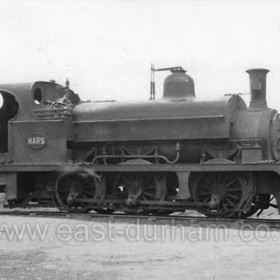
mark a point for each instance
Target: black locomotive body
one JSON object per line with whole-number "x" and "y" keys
{"x": 158, "y": 156}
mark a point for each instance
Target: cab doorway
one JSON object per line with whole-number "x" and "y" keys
{"x": 8, "y": 110}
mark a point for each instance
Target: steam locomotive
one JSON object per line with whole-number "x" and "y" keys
{"x": 219, "y": 157}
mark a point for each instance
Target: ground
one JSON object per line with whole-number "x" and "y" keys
{"x": 45, "y": 248}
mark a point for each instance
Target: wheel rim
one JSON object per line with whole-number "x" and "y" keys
{"x": 72, "y": 186}
{"x": 222, "y": 192}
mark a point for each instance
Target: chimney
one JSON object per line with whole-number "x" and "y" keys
{"x": 258, "y": 88}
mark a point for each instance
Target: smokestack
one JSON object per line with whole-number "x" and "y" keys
{"x": 258, "y": 88}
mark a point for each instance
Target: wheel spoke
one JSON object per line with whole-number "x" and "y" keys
{"x": 148, "y": 188}
{"x": 230, "y": 201}
{"x": 208, "y": 181}
{"x": 227, "y": 185}
{"x": 235, "y": 188}
{"x": 232, "y": 196}
{"x": 148, "y": 195}
{"x": 88, "y": 193}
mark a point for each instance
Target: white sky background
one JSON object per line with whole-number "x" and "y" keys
{"x": 105, "y": 47}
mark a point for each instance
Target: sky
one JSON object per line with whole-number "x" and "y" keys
{"x": 106, "y": 47}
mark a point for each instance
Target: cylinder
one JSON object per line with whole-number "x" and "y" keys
{"x": 257, "y": 89}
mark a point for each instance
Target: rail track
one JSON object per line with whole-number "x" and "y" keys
{"x": 171, "y": 220}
